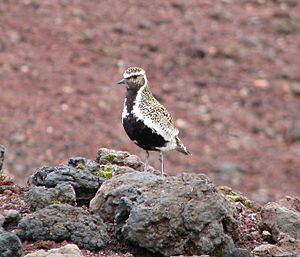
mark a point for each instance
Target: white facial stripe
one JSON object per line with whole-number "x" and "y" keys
{"x": 126, "y": 75}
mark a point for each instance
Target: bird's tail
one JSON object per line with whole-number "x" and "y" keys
{"x": 181, "y": 148}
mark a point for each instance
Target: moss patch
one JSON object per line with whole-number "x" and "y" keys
{"x": 111, "y": 157}
{"x": 105, "y": 171}
{"x": 56, "y": 201}
{"x": 249, "y": 204}
{"x": 80, "y": 166}
{"x": 235, "y": 198}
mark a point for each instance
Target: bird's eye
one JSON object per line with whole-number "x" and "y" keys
{"x": 134, "y": 76}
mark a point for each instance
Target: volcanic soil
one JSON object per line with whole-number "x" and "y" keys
{"x": 228, "y": 71}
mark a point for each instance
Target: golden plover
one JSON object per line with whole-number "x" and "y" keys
{"x": 147, "y": 123}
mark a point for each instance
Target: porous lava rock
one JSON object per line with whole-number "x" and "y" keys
{"x": 61, "y": 222}
{"x": 183, "y": 214}
{"x": 120, "y": 158}
{"x": 82, "y": 174}
{"x": 278, "y": 219}
{"x": 10, "y": 244}
{"x": 40, "y": 197}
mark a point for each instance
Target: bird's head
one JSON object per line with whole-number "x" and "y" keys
{"x": 134, "y": 78}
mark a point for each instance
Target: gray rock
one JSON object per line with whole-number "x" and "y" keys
{"x": 292, "y": 203}
{"x": 40, "y": 197}
{"x": 69, "y": 250}
{"x": 2, "y": 220}
{"x": 122, "y": 170}
{"x": 286, "y": 249}
{"x": 278, "y": 219}
{"x": 120, "y": 158}
{"x": 267, "y": 249}
{"x": 10, "y": 244}
{"x": 184, "y": 214}
{"x": 84, "y": 175}
{"x": 287, "y": 255}
{"x": 61, "y": 222}
{"x": 2, "y": 152}
{"x": 11, "y": 218}
{"x": 239, "y": 252}
{"x": 78, "y": 161}
{"x": 289, "y": 245}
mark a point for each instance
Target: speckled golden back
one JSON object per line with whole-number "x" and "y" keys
{"x": 153, "y": 110}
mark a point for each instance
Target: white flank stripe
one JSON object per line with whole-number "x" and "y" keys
{"x": 156, "y": 127}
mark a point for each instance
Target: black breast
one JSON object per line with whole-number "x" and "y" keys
{"x": 137, "y": 131}
{"x": 142, "y": 135}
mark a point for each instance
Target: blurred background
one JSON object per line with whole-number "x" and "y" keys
{"x": 228, "y": 71}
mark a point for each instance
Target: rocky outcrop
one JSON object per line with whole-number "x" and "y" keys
{"x": 40, "y": 197}
{"x": 10, "y": 244}
{"x": 85, "y": 176}
{"x": 286, "y": 247}
{"x": 144, "y": 213}
{"x": 282, "y": 222}
{"x": 122, "y": 162}
{"x": 9, "y": 218}
{"x": 278, "y": 219}
{"x": 238, "y": 252}
{"x": 119, "y": 158}
{"x": 184, "y": 214}
{"x": 69, "y": 250}
{"x": 60, "y": 222}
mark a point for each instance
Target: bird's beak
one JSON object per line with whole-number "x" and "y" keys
{"x": 122, "y": 81}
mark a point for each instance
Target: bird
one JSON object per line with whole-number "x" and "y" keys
{"x": 147, "y": 122}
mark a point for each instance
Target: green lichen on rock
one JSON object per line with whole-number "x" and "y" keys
{"x": 107, "y": 174}
{"x": 235, "y": 198}
{"x": 111, "y": 157}
{"x": 249, "y": 204}
{"x": 80, "y": 166}
{"x": 105, "y": 171}
{"x": 56, "y": 201}
{"x": 57, "y": 228}
{"x": 222, "y": 188}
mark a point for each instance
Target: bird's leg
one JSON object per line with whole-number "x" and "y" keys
{"x": 161, "y": 158}
{"x": 146, "y": 161}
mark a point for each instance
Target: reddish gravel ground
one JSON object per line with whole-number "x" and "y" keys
{"x": 228, "y": 71}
